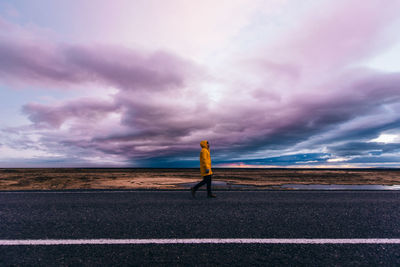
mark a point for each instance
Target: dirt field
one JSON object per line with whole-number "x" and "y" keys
{"x": 31, "y": 179}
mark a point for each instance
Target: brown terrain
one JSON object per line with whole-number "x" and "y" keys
{"x": 74, "y": 178}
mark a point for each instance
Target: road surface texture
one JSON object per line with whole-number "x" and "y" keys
{"x": 170, "y": 215}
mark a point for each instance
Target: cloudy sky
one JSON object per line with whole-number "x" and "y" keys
{"x": 139, "y": 83}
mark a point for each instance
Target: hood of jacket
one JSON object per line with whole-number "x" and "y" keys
{"x": 203, "y": 144}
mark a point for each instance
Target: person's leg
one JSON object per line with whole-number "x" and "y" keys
{"x": 197, "y": 186}
{"x": 208, "y": 181}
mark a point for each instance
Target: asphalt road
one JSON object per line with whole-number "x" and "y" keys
{"x": 173, "y": 214}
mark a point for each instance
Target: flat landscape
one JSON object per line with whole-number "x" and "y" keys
{"x": 110, "y": 178}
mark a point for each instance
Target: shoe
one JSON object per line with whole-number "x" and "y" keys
{"x": 212, "y": 196}
{"x": 193, "y": 192}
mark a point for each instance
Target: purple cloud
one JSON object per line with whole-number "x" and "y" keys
{"x": 304, "y": 95}
{"x": 54, "y": 116}
{"x": 119, "y": 67}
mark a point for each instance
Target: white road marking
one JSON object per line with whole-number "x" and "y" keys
{"x": 33, "y": 242}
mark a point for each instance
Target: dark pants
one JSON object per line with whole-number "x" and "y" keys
{"x": 206, "y": 180}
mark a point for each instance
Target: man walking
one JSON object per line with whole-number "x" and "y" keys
{"x": 205, "y": 169}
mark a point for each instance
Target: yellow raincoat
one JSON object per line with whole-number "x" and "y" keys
{"x": 205, "y": 159}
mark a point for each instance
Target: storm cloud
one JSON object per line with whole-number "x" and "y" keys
{"x": 300, "y": 100}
